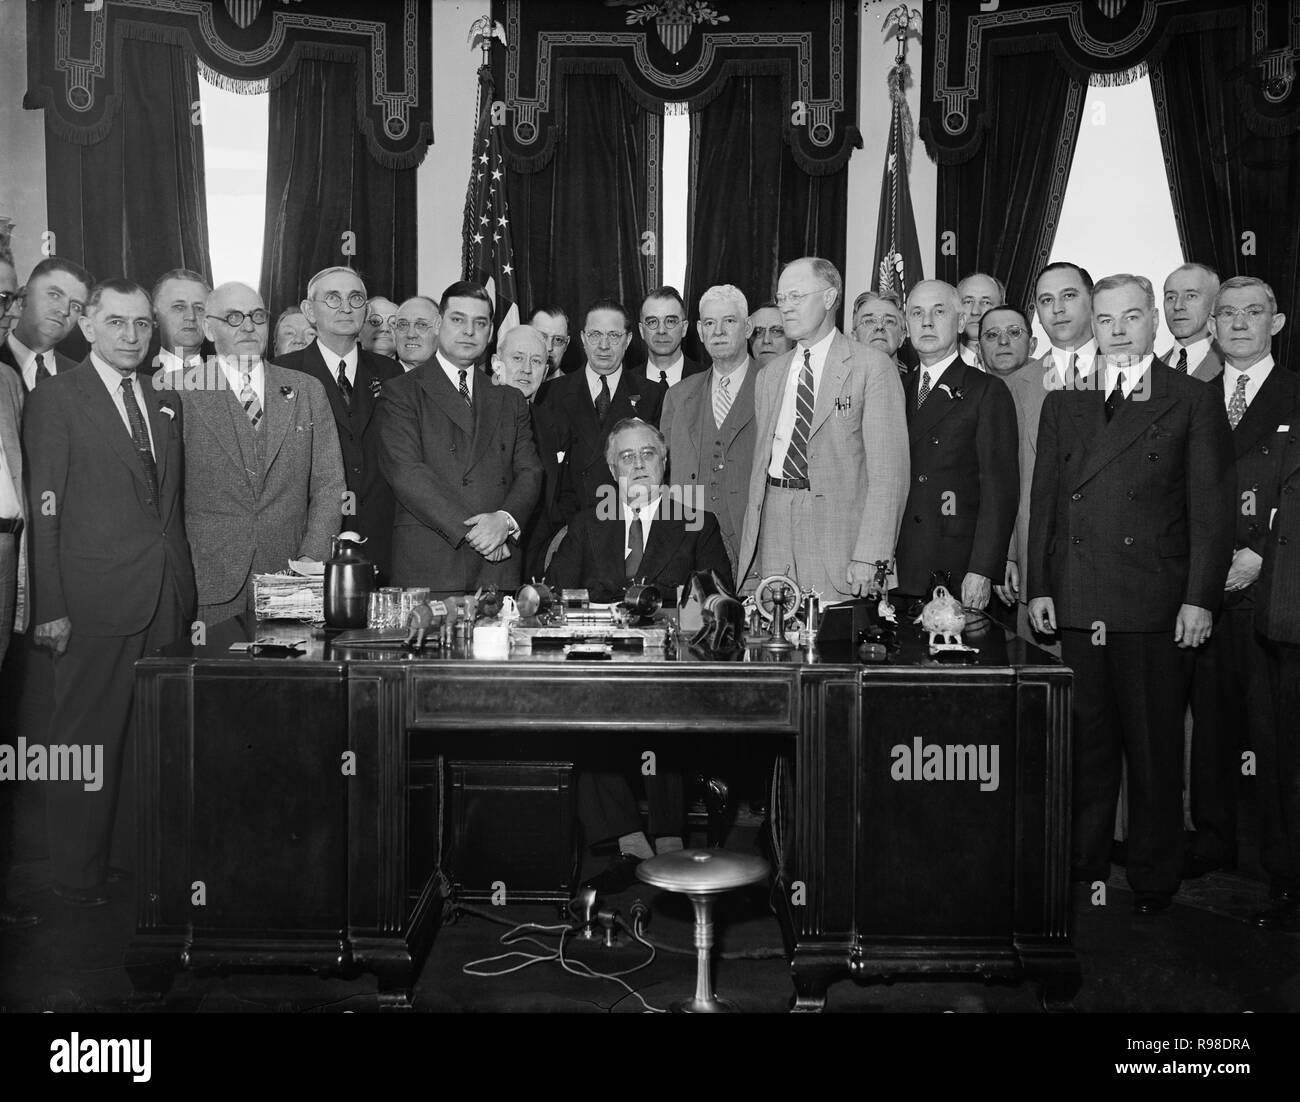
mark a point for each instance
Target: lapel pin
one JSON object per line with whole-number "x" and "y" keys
{"x": 287, "y": 391}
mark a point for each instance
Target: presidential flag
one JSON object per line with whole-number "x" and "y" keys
{"x": 898, "y": 252}
{"x": 487, "y": 255}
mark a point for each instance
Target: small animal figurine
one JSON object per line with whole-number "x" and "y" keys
{"x": 425, "y": 618}
{"x": 943, "y": 618}
{"x": 723, "y": 615}
{"x": 489, "y": 604}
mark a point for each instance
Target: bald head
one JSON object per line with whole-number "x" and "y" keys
{"x": 232, "y": 321}
{"x": 934, "y": 320}
{"x": 520, "y": 360}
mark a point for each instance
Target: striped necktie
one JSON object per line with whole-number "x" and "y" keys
{"x": 464, "y": 389}
{"x": 1181, "y": 365}
{"x": 248, "y": 399}
{"x": 722, "y": 399}
{"x": 796, "y": 455}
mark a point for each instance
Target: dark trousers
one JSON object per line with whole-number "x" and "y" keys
{"x": 1278, "y": 769}
{"x": 607, "y": 807}
{"x": 26, "y": 692}
{"x": 1231, "y": 710}
{"x": 94, "y": 686}
{"x": 1129, "y": 700}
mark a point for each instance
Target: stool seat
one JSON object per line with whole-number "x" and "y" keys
{"x": 700, "y": 874}
{"x": 702, "y": 871}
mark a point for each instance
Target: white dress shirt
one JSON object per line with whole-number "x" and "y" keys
{"x": 234, "y": 373}
{"x": 970, "y": 356}
{"x": 10, "y": 506}
{"x": 453, "y": 374}
{"x": 673, "y": 370}
{"x": 648, "y": 514}
{"x": 332, "y": 362}
{"x": 594, "y": 377}
{"x": 785, "y": 420}
{"x": 167, "y": 360}
{"x": 1254, "y": 376}
{"x": 735, "y": 380}
{"x": 936, "y": 372}
{"x": 26, "y": 360}
{"x": 112, "y": 380}
{"x": 1196, "y": 352}
{"x": 1134, "y": 376}
{"x": 1083, "y": 357}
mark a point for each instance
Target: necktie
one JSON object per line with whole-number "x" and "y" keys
{"x": 663, "y": 376}
{"x": 42, "y": 372}
{"x": 1072, "y": 372}
{"x": 1237, "y": 403}
{"x": 1115, "y": 398}
{"x": 796, "y": 455}
{"x": 721, "y": 400}
{"x": 140, "y": 438}
{"x": 464, "y": 389}
{"x": 248, "y": 399}
{"x": 635, "y": 546}
{"x": 1181, "y": 365}
{"x": 345, "y": 387}
{"x": 923, "y": 391}
{"x": 602, "y": 399}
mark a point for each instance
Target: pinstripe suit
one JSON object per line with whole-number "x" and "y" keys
{"x": 857, "y": 467}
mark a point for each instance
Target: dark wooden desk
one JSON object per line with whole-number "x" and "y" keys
{"x": 286, "y": 818}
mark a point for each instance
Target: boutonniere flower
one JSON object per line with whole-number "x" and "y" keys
{"x": 955, "y": 393}
{"x": 287, "y": 391}
{"x": 164, "y": 408}
{"x": 376, "y": 385}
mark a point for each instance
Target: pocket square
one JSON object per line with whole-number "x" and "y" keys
{"x": 171, "y": 413}
{"x": 1284, "y": 428}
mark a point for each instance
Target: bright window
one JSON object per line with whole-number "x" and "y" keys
{"x": 676, "y": 176}
{"x": 234, "y": 153}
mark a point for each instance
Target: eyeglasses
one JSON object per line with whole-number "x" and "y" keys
{"x": 235, "y": 318}
{"x": 334, "y": 300}
{"x": 557, "y": 342}
{"x": 378, "y": 321}
{"x": 647, "y": 455}
{"x": 795, "y": 298}
{"x": 598, "y": 336}
{"x": 1230, "y": 314}
{"x": 401, "y": 325}
{"x": 8, "y": 298}
{"x": 887, "y": 320}
{"x": 773, "y": 331}
{"x": 1013, "y": 332}
{"x": 655, "y": 324}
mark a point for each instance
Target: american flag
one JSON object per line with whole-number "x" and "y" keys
{"x": 898, "y": 251}
{"x": 487, "y": 254}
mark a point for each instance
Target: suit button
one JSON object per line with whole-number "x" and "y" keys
{"x": 503, "y": 482}
{"x": 464, "y": 481}
{"x": 1288, "y": 489}
{"x": 1128, "y": 541}
{"x": 917, "y": 519}
{"x": 922, "y": 478}
{"x": 1264, "y": 450}
{"x": 453, "y": 449}
{"x": 1132, "y": 496}
{"x": 1076, "y": 497}
{"x": 1152, "y": 457}
{"x": 1281, "y": 539}
{"x": 714, "y": 497}
{"x": 934, "y": 440}
{"x": 1077, "y": 540}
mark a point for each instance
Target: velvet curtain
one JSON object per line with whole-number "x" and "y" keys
{"x": 753, "y": 208}
{"x": 328, "y": 201}
{"x": 581, "y": 220}
{"x": 998, "y": 208}
{"x": 133, "y": 203}
{"x": 1234, "y": 190}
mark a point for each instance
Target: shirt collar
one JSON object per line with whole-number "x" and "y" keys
{"x": 111, "y": 376}
{"x": 676, "y": 365}
{"x": 736, "y": 375}
{"x": 331, "y": 359}
{"x": 648, "y": 512}
{"x": 594, "y": 377}
{"x": 938, "y": 369}
{"x": 1257, "y": 370}
{"x": 453, "y": 372}
{"x": 1083, "y": 355}
{"x": 818, "y": 350}
{"x": 22, "y": 353}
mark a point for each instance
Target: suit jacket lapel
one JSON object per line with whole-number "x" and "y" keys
{"x": 741, "y": 412}
{"x": 834, "y": 372}
{"x": 1261, "y": 416}
{"x": 580, "y": 407}
{"x": 1131, "y": 419}
{"x": 940, "y": 403}
{"x": 488, "y": 411}
{"x": 666, "y": 536}
{"x": 439, "y": 388}
{"x": 159, "y": 429}
{"x": 278, "y": 409}
{"x": 328, "y": 375}
{"x": 628, "y": 393}
{"x": 102, "y": 411}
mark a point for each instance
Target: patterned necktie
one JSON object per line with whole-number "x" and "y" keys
{"x": 248, "y": 399}
{"x": 345, "y": 387}
{"x": 796, "y": 455}
{"x": 603, "y": 399}
{"x": 140, "y": 438}
{"x": 635, "y": 546}
{"x": 42, "y": 372}
{"x": 1181, "y": 365}
{"x": 722, "y": 398}
{"x": 464, "y": 389}
{"x": 1115, "y": 397}
{"x": 923, "y": 391}
{"x": 1237, "y": 403}
{"x": 663, "y": 376}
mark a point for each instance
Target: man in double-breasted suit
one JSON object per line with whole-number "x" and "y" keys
{"x": 460, "y": 457}
{"x": 708, "y": 418}
{"x": 351, "y": 378}
{"x": 1189, "y": 295}
{"x": 829, "y": 482}
{"x": 1232, "y": 706}
{"x": 1130, "y": 538}
{"x": 961, "y": 425}
{"x": 263, "y": 475}
{"x": 112, "y": 578}
{"x": 579, "y": 408}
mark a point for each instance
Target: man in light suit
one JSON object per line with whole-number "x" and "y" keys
{"x": 830, "y": 470}
{"x": 961, "y": 424}
{"x": 1190, "y": 291}
{"x": 112, "y": 579}
{"x": 1231, "y": 705}
{"x": 1130, "y": 539}
{"x": 460, "y": 457}
{"x": 708, "y": 418}
{"x": 263, "y": 474}
{"x": 351, "y": 378}
{"x": 52, "y": 305}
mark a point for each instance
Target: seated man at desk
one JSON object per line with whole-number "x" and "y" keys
{"x": 637, "y": 532}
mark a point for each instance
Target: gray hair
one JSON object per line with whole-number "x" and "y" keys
{"x": 311, "y": 283}
{"x": 1124, "y": 279}
{"x": 953, "y": 296}
{"x": 825, "y": 270}
{"x": 888, "y": 297}
{"x": 1240, "y": 283}
{"x": 176, "y": 273}
{"x": 1204, "y": 269}
{"x": 726, "y": 292}
{"x": 632, "y": 423}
